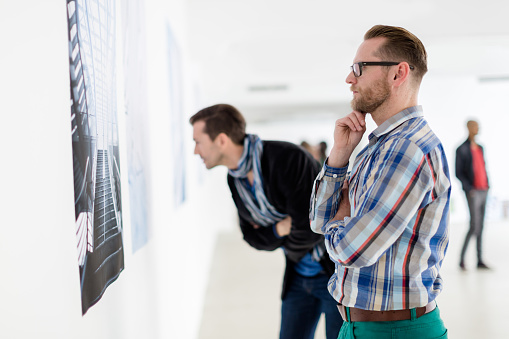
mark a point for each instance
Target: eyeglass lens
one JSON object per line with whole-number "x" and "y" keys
{"x": 356, "y": 68}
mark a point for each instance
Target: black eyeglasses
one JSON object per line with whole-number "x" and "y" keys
{"x": 357, "y": 67}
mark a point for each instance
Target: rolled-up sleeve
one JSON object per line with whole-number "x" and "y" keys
{"x": 325, "y": 197}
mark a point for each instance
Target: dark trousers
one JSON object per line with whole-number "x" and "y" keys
{"x": 305, "y": 300}
{"x": 477, "y": 206}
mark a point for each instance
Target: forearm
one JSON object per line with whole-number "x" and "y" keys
{"x": 381, "y": 214}
{"x": 326, "y": 197}
{"x": 339, "y": 156}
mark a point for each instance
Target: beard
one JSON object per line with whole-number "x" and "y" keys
{"x": 372, "y": 97}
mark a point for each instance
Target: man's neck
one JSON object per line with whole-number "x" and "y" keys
{"x": 233, "y": 155}
{"x": 390, "y": 108}
{"x": 381, "y": 116}
{"x": 250, "y": 177}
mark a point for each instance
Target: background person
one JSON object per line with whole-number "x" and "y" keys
{"x": 271, "y": 182}
{"x": 322, "y": 149}
{"x": 471, "y": 171}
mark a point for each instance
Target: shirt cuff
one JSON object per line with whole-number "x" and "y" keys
{"x": 335, "y": 173}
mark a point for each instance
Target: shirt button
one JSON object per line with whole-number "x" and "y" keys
{"x": 334, "y": 176}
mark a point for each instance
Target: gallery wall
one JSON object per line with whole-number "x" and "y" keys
{"x": 159, "y": 294}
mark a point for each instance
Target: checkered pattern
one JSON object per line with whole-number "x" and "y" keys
{"x": 388, "y": 253}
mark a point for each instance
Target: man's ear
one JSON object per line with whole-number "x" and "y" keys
{"x": 402, "y": 73}
{"x": 222, "y": 139}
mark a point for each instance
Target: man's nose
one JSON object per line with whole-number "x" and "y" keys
{"x": 350, "y": 78}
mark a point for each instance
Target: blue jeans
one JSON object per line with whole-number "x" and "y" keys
{"x": 305, "y": 300}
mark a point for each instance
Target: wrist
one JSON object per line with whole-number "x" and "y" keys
{"x": 276, "y": 232}
{"x": 338, "y": 158}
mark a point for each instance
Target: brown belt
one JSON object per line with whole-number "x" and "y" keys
{"x": 357, "y": 314}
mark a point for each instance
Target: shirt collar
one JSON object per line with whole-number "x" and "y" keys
{"x": 394, "y": 121}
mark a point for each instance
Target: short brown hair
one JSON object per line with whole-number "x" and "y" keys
{"x": 401, "y": 45}
{"x": 222, "y": 118}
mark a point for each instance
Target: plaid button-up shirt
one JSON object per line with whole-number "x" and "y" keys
{"x": 388, "y": 253}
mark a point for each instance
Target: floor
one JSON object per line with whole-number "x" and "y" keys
{"x": 243, "y": 295}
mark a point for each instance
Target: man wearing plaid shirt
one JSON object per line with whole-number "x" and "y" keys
{"x": 386, "y": 222}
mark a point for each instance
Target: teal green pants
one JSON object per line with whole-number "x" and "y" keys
{"x": 429, "y": 326}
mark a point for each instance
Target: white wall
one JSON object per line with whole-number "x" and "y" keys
{"x": 160, "y": 292}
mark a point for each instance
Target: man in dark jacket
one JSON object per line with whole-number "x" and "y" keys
{"x": 271, "y": 183}
{"x": 471, "y": 171}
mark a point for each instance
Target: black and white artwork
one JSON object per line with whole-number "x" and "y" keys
{"x": 97, "y": 191}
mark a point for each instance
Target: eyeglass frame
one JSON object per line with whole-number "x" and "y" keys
{"x": 375, "y": 63}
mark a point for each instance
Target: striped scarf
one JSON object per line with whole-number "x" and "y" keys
{"x": 260, "y": 208}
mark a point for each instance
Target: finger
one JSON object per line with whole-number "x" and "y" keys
{"x": 361, "y": 117}
{"x": 354, "y": 122}
{"x": 348, "y": 122}
{"x": 358, "y": 120}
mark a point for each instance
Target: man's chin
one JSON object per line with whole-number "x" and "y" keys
{"x": 356, "y": 108}
{"x": 353, "y": 105}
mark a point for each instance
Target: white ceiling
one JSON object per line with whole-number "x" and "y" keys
{"x": 272, "y": 58}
